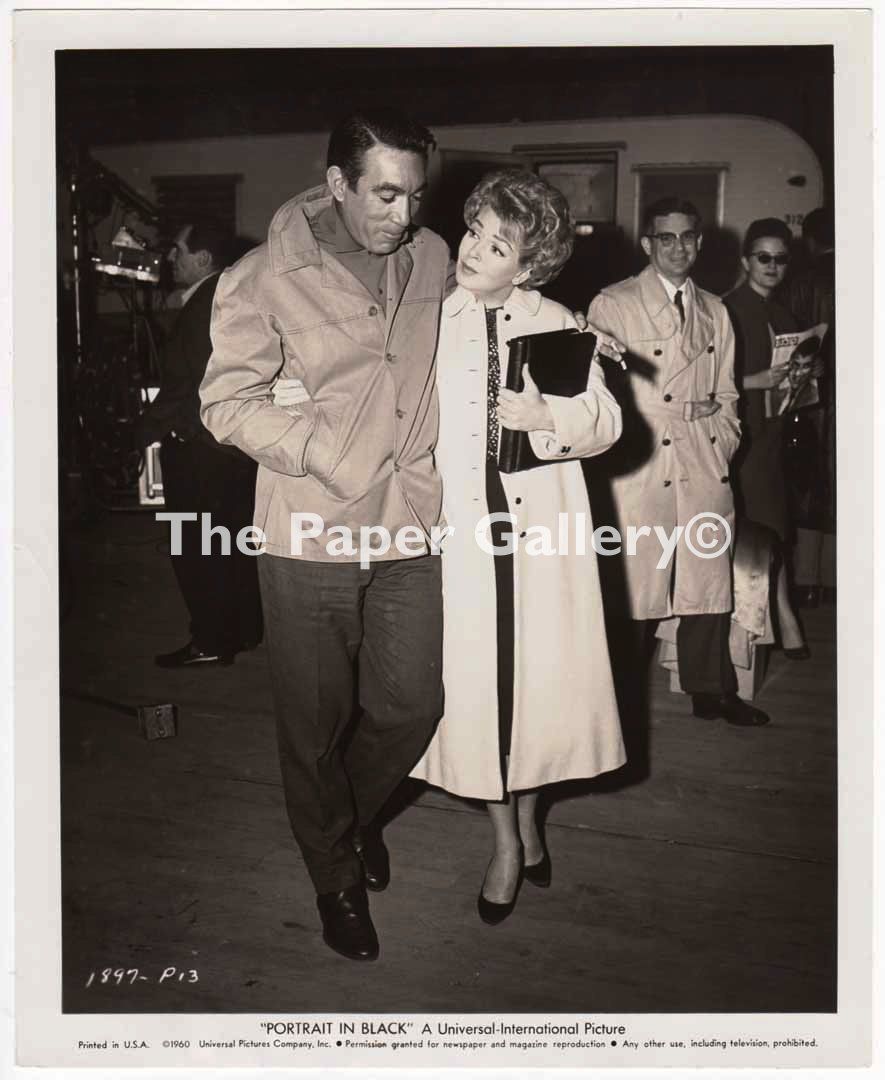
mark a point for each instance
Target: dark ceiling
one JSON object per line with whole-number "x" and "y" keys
{"x": 108, "y": 96}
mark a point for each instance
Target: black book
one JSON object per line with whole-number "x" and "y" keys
{"x": 559, "y": 362}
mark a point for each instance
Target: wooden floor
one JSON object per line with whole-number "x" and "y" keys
{"x": 702, "y": 883}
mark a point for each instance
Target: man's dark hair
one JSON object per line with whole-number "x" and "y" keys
{"x": 670, "y": 204}
{"x": 820, "y": 227}
{"x": 208, "y": 234}
{"x": 770, "y": 227}
{"x": 358, "y": 133}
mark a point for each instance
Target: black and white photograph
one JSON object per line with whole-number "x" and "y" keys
{"x": 441, "y": 557}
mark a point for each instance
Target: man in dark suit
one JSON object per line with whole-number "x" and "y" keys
{"x": 199, "y": 475}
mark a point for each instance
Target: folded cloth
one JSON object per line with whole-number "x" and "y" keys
{"x": 751, "y": 623}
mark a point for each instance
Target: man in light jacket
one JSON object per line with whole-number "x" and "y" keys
{"x": 674, "y": 469}
{"x": 344, "y": 297}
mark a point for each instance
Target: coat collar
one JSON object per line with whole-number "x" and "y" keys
{"x": 523, "y": 301}
{"x": 698, "y": 330}
{"x": 291, "y": 243}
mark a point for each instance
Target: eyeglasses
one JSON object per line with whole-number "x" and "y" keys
{"x": 765, "y": 258}
{"x": 668, "y": 239}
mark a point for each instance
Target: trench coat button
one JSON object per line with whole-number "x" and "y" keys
{"x": 666, "y": 483}
{"x": 723, "y": 479}
{"x": 396, "y": 468}
{"x": 666, "y": 442}
{"x": 709, "y": 348}
{"x": 712, "y": 438}
{"x": 668, "y": 397}
{"x": 517, "y": 500}
{"x": 507, "y": 317}
{"x": 373, "y": 310}
{"x": 522, "y": 534}
{"x": 659, "y": 352}
{"x": 400, "y": 414}
{"x": 565, "y": 449}
{"x": 390, "y": 358}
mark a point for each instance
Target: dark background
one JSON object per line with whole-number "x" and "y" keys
{"x": 141, "y": 95}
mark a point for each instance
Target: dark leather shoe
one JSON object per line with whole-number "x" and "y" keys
{"x": 539, "y": 873}
{"x": 374, "y": 856}
{"x": 347, "y": 925}
{"x": 493, "y": 913}
{"x": 730, "y": 708}
{"x": 190, "y": 656}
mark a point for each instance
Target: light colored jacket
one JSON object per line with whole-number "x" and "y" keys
{"x": 359, "y": 451}
{"x": 670, "y": 468}
{"x": 565, "y": 719}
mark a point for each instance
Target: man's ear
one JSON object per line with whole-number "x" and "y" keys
{"x": 203, "y": 259}
{"x": 745, "y": 263}
{"x": 336, "y": 181}
{"x": 700, "y": 241}
{"x": 645, "y": 243}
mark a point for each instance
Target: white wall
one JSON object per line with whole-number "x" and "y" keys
{"x": 762, "y": 155}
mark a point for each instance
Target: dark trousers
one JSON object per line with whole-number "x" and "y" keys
{"x": 702, "y": 651}
{"x": 220, "y": 591}
{"x": 356, "y": 669}
{"x": 703, "y": 655}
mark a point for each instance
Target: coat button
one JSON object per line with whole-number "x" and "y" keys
{"x": 507, "y": 318}
{"x": 400, "y": 414}
{"x": 517, "y": 500}
{"x": 666, "y": 483}
{"x": 666, "y": 442}
{"x": 390, "y": 358}
{"x": 723, "y": 479}
{"x": 565, "y": 449}
{"x": 396, "y": 468}
{"x": 659, "y": 352}
{"x": 668, "y": 397}
{"x": 522, "y": 534}
{"x": 709, "y": 348}
{"x": 712, "y": 438}
{"x": 373, "y": 310}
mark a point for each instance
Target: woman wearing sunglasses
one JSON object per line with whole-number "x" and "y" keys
{"x": 759, "y": 463}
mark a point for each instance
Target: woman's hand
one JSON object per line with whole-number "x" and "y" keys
{"x": 527, "y": 411}
{"x": 768, "y": 379}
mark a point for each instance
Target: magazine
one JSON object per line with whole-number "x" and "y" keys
{"x": 799, "y": 387}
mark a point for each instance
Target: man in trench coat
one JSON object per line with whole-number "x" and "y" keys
{"x": 675, "y": 467}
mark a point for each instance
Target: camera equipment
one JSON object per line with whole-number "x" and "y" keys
{"x": 130, "y": 258}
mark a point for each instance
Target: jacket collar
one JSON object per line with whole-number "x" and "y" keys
{"x": 291, "y": 245}
{"x": 698, "y": 330}
{"x": 524, "y": 301}
{"x": 290, "y": 240}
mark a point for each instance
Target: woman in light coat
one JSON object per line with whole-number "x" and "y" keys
{"x": 529, "y": 698}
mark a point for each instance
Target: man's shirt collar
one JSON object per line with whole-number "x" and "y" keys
{"x": 686, "y": 289}
{"x": 329, "y": 230}
{"x": 189, "y": 292}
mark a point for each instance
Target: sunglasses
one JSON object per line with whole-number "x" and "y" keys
{"x": 765, "y": 258}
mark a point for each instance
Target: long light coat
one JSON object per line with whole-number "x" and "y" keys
{"x": 565, "y": 720}
{"x": 673, "y": 468}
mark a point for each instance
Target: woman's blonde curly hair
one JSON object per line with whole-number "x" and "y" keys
{"x": 534, "y": 215}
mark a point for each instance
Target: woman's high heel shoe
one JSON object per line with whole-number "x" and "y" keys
{"x": 493, "y": 913}
{"x": 539, "y": 873}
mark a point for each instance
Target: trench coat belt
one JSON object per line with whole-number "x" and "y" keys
{"x": 679, "y": 410}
